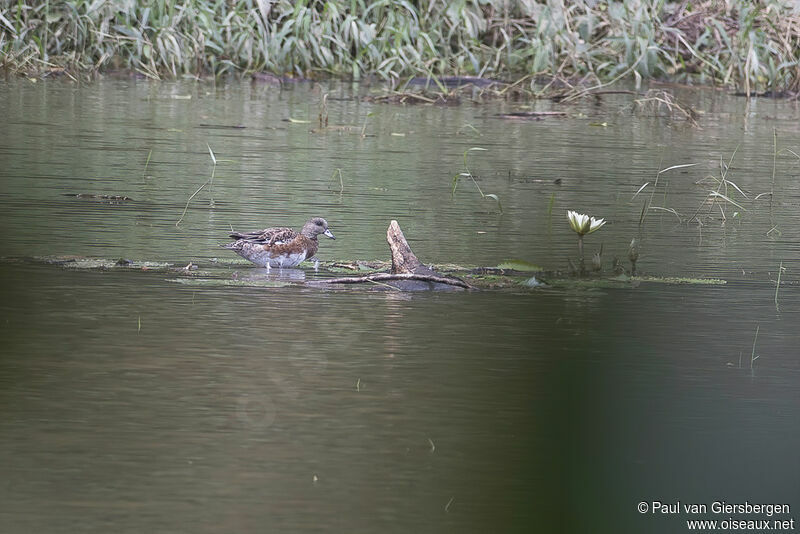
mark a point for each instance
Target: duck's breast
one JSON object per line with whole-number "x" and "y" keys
{"x": 292, "y": 253}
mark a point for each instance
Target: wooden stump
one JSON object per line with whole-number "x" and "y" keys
{"x": 403, "y": 259}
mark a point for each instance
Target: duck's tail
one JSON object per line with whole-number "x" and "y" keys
{"x": 236, "y": 246}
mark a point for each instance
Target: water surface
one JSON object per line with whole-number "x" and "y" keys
{"x": 130, "y": 403}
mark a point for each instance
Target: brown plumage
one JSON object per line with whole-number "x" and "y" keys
{"x": 281, "y": 246}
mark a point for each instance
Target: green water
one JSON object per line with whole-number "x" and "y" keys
{"x": 130, "y": 404}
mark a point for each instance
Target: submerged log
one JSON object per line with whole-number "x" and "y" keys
{"x": 105, "y": 198}
{"x": 382, "y": 277}
{"x": 504, "y": 276}
{"x": 531, "y": 115}
{"x": 454, "y": 81}
{"x": 407, "y": 271}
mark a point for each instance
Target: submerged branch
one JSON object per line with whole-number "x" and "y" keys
{"x": 382, "y": 277}
{"x": 405, "y": 266}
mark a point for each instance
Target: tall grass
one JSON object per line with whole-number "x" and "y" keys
{"x": 754, "y": 45}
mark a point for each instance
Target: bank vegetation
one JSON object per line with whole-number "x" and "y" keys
{"x": 743, "y": 44}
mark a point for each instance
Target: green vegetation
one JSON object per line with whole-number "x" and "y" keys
{"x": 753, "y": 45}
{"x": 468, "y": 174}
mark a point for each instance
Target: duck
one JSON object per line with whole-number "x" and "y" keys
{"x": 280, "y": 247}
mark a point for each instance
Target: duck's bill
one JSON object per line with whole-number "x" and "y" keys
{"x": 329, "y": 234}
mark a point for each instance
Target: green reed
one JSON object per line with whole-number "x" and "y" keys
{"x": 750, "y": 45}
{"x": 467, "y": 173}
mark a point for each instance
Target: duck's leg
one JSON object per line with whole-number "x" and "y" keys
{"x": 315, "y": 260}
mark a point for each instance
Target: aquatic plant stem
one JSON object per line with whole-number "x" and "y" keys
{"x": 323, "y": 112}
{"x": 774, "y": 164}
{"x": 723, "y": 183}
{"x": 341, "y": 180}
{"x": 146, "y": 164}
{"x": 364, "y": 128}
{"x": 652, "y": 194}
{"x": 778, "y": 286}
{"x": 468, "y": 174}
{"x": 189, "y": 200}
{"x": 753, "y": 356}
{"x": 213, "y": 172}
{"x": 447, "y": 506}
{"x": 582, "y": 266}
{"x": 208, "y": 182}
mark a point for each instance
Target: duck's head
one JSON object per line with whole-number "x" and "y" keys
{"x": 317, "y": 226}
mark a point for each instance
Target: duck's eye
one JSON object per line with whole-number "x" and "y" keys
{"x": 319, "y": 223}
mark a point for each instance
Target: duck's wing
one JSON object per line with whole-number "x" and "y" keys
{"x": 269, "y": 236}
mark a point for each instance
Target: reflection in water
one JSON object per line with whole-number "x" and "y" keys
{"x": 258, "y": 274}
{"x": 128, "y": 404}
{"x": 240, "y": 407}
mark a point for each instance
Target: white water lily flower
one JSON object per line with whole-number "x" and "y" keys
{"x": 583, "y": 224}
